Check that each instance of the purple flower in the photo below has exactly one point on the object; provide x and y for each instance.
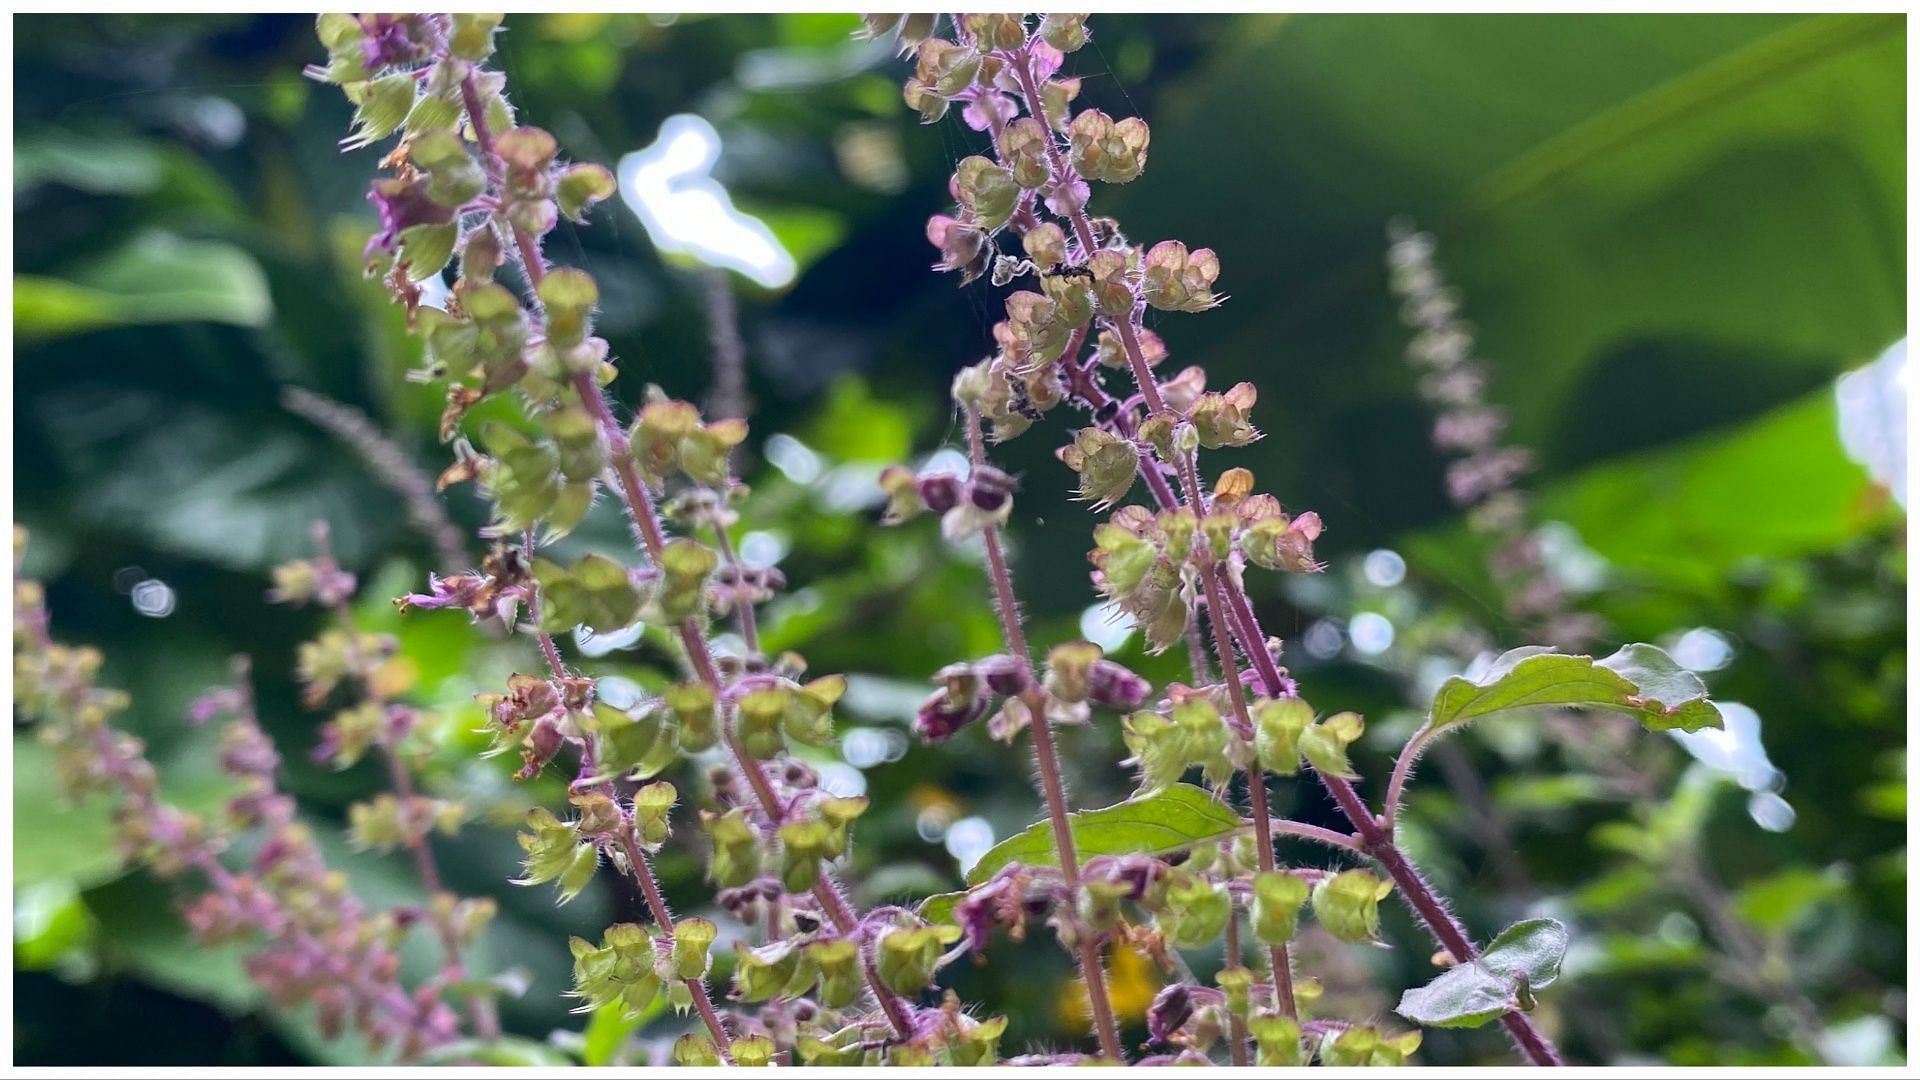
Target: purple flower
(403, 203)
(1115, 686)
(940, 716)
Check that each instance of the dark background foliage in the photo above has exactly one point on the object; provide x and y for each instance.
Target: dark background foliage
(1673, 234)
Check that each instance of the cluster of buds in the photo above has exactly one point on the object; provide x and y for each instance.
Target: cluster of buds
(1166, 568)
(1077, 677)
(982, 499)
(371, 720)
(1483, 471)
(1148, 564)
(473, 189)
(311, 941)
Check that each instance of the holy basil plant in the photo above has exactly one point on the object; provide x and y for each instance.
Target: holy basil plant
(785, 967)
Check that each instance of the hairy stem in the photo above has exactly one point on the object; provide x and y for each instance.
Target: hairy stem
(1256, 781)
(481, 1010)
(638, 503)
(1046, 759)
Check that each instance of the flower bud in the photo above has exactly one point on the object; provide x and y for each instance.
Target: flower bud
(1103, 150)
(1277, 899)
(1348, 904)
(1115, 686)
(1008, 676)
(940, 716)
(940, 492)
(1171, 1009)
(1069, 670)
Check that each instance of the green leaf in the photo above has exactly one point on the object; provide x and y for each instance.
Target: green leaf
(1638, 680)
(610, 1026)
(1774, 904)
(1524, 958)
(1167, 821)
(155, 278)
(507, 1051)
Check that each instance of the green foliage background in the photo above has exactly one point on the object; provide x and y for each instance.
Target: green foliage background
(1673, 233)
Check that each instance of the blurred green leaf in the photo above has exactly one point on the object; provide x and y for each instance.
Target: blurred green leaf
(1161, 823)
(116, 164)
(1775, 903)
(155, 278)
(49, 922)
(610, 1026)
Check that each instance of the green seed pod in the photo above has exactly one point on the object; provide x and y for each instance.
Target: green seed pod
(1175, 279)
(696, 1050)
(1276, 1039)
(987, 191)
(1106, 463)
(692, 705)
(736, 848)
(976, 1043)
(804, 846)
(1325, 743)
(652, 812)
(838, 962)
(1197, 911)
(692, 938)
(908, 956)
(1366, 1047)
(1348, 904)
(759, 714)
(767, 972)
(1277, 725)
(1277, 899)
